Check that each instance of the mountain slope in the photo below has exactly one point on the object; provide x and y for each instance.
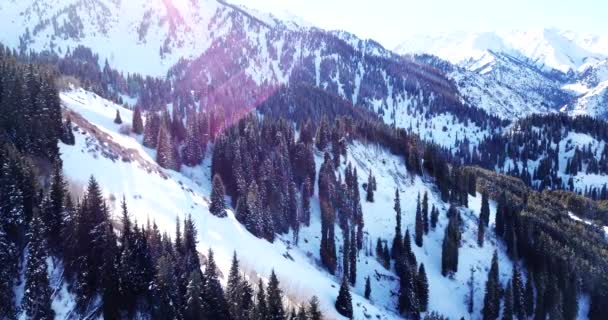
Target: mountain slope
(124, 167)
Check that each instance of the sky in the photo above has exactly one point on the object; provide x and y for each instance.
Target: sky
(391, 21)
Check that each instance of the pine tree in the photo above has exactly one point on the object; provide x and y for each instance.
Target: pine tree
(370, 188)
(37, 296)
(164, 153)
(529, 296)
(214, 303)
(218, 206)
(54, 215)
(353, 258)
(137, 122)
(261, 308)
(368, 288)
(518, 294)
(275, 299)
(419, 224)
(117, 119)
(193, 299)
(451, 242)
(484, 214)
(480, 232)
(314, 313)
(408, 298)
(344, 304)
(434, 217)
(397, 248)
(507, 313)
(234, 289)
(425, 212)
(422, 286)
(501, 211)
(471, 293)
(306, 194)
(491, 301)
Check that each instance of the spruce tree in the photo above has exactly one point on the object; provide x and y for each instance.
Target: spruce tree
(233, 286)
(194, 309)
(480, 232)
(137, 122)
(275, 299)
(214, 303)
(370, 188)
(368, 288)
(344, 304)
(397, 248)
(484, 214)
(353, 258)
(117, 119)
(519, 309)
(218, 206)
(419, 224)
(501, 211)
(408, 296)
(37, 296)
(529, 296)
(507, 312)
(491, 301)
(434, 217)
(261, 308)
(425, 212)
(54, 215)
(422, 286)
(314, 312)
(451, 242)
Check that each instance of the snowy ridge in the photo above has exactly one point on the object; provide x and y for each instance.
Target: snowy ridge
(162, 198)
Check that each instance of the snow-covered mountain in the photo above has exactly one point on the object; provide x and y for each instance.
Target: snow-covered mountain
(513, 74)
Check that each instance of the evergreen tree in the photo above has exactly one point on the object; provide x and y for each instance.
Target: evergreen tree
(314, 313)
(480, 232)
(194, 308)
(344, 304)
(117, 119)
(471, 293)
(491, 301)
(422, 286)
(519, 309)
(451, 242)
(306, 194)
(261, 308)
(37, 294)
(408, 298)
(275, 299)
(425, 212)
(234, 289)
(54, 215)
(218, 206)
(370, 188)
(529, 297)
(368, 288)
(164, 153)
(397, 248)
(214, 303)
(484, 214)
(137, 122)
(434, 217)
(501, 211)
(419, 224)
(353, 258)
(507, 313)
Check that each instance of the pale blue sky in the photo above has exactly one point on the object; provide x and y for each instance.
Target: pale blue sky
(389, 21)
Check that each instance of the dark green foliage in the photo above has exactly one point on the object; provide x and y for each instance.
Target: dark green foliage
(484, 214)
(368, 288)
(422, 287)
(419, 225)
(37, 297)
(218, 206)
(519, 309)
(434, 217)
(397, 247)
(214, 302)
(344, 304)
(409, 304)
(314, 313)
(481, 226)
(425, 212)
(276, 310)
(529, 297)
(451, 243)
(507, 312)
(137, 122)
(491, 301)
(117, 119)
(193, 299)
(370, 188)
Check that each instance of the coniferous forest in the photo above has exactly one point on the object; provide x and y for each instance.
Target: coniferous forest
(377, 186)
